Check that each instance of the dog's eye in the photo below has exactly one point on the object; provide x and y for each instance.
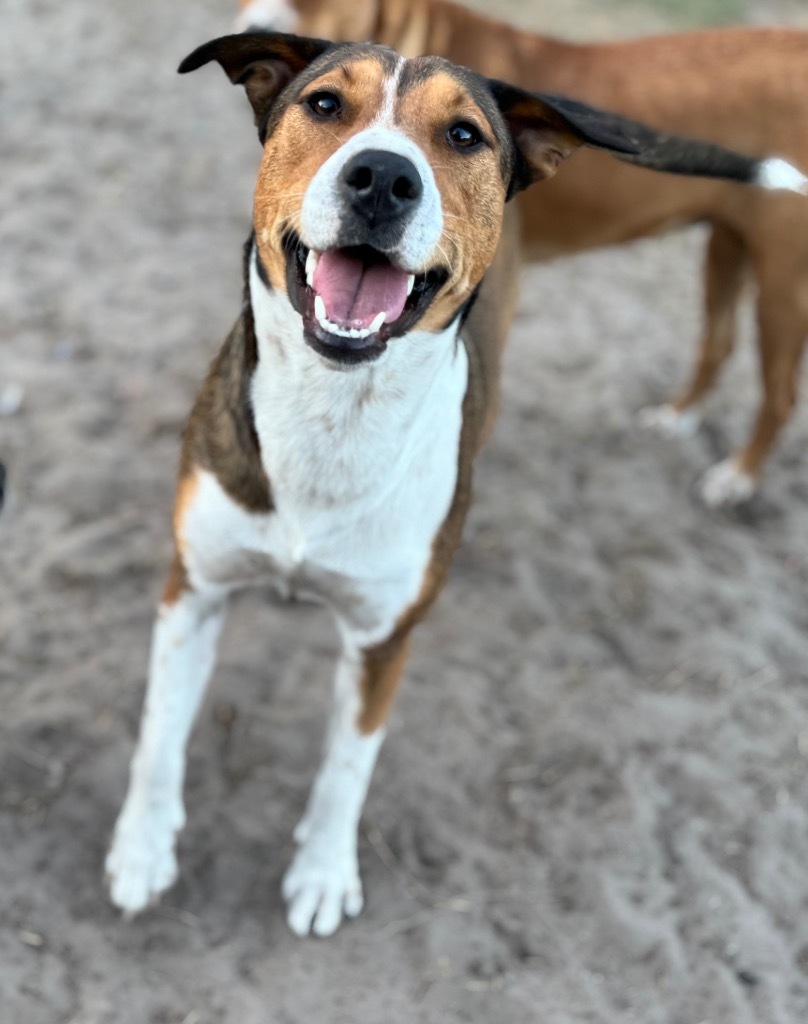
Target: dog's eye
(464, 135)
(325, 104)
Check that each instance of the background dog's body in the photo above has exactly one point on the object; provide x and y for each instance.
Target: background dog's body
(330, 449)
(745, 87)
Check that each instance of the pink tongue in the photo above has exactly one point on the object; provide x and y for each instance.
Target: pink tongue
(355, 293)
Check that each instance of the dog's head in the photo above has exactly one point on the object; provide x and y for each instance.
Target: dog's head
(380, 196)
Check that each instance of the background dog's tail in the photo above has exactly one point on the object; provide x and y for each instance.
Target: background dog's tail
(660, 151)
(683, 156)
(775, 173)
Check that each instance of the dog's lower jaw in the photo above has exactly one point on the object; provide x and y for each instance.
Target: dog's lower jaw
(341, 356)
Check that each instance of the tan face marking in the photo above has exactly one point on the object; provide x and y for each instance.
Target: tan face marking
(300, 145)
(470, 183)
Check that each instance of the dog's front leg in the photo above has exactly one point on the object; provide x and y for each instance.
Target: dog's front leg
(323, 881)
(141, 863)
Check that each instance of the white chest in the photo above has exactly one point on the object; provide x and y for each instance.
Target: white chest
(362, 465)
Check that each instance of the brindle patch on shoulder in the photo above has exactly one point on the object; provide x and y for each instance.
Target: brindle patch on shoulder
(220, 435)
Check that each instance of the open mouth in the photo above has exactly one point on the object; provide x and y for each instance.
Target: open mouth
(354, 300)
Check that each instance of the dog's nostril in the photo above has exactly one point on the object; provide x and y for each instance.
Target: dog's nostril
(360, 178)
(406, 188)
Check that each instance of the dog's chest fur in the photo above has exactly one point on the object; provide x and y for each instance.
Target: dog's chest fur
(362, 465)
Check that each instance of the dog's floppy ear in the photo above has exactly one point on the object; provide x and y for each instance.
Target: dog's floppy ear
(263, 62)
(546, 129)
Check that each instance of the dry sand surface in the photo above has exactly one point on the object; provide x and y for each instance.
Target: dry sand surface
(593, 802)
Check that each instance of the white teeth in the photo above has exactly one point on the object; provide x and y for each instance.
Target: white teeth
(311, 266)
(325, 323)
(377, 322)
(410, 284)
(344, 332)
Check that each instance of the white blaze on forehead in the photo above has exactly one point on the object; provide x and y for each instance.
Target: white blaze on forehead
(387, 111)
(323, 204)
(275, 14)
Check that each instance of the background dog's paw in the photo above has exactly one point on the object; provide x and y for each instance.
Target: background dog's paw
(725, 485)
(274, 15)
(669, 421)
(141, 864)
(319, 890)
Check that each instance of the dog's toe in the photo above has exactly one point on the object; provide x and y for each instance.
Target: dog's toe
(140, 866)
(319, 891)
(725, 485)
(669, 421)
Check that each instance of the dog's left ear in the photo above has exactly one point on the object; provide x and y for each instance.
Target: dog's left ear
(547, 129)
(263, 62)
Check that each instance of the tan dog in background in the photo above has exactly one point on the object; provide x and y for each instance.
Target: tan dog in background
(745, 88)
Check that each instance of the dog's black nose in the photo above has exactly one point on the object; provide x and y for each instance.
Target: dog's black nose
(381, 186)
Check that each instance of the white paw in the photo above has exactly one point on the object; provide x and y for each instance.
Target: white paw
(277, 15)
(141, 863)
(320, 887)
(725, 484)
(669, 421)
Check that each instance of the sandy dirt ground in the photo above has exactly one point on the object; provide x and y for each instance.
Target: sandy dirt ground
(593, 802)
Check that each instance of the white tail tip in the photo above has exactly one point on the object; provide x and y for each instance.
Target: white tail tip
(779, 174)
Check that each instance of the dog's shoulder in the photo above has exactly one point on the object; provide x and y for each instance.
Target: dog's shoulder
(220, 434)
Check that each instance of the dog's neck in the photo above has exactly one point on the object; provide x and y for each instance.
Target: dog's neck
(333, 436)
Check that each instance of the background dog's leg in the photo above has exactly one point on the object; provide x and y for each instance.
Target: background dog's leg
(782, 335)
(141, 862)
(726, 268)
(323, 882)
(781, 340)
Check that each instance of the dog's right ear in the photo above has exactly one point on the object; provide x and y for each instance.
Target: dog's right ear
(263, 62)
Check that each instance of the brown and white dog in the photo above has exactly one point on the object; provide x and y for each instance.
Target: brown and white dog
(330, 449)
(744, 87)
